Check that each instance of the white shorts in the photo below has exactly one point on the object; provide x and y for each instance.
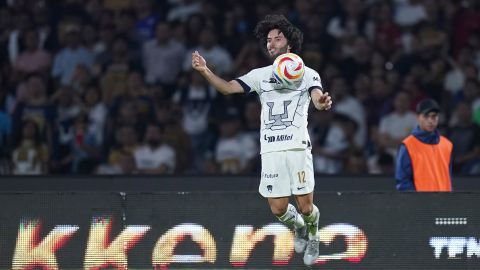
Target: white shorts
(287, 172)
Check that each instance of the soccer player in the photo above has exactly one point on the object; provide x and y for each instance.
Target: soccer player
(287, 166)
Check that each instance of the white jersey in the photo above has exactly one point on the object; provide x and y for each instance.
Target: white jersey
(284, 109)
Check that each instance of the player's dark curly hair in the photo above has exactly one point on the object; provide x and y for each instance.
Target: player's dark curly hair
(292, 33)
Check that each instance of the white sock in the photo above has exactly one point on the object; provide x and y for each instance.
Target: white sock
(312, 222)
(292, 217)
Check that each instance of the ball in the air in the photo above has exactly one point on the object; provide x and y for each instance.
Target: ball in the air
(288, 68)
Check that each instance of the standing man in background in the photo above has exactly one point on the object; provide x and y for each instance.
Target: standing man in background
(287, 166)
(424, 160)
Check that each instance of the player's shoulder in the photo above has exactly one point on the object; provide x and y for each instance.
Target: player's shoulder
(311, 74)
(310, 71)
(258, 73)
(262, 70)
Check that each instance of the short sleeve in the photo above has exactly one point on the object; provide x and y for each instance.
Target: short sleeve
(313, 80)
(250, 81)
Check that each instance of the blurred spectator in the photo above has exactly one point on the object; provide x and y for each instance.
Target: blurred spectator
(33, 59)
(118, 65)
(386, 34)
(96, 112)
(183, 9)
(233, 151)
(251, 129)
(465, 21)
(381, 163)
(195, 101)
(349, 23)
(21, 22)
(465, 136)
(72, 55)
(409, 12)
(34, 105)
(30, 155)
(174, 135)
(433, 81)
(471, 95)
(91, 41)
(348, 105)
(81, 79)
(117, 4)
(317, 41)
(251, 114)
(329, 141)
(236, 26)
(125, 26)
(84, 146)
(125, 166)
(5, 124)
(218, 58)
(193, 27)
(395, 126)
(356, 163)
(67, 103)
(147, 18)
(68, 107)
(379, 102)
(154, 156)
(137, 93)
(126, 143)
(127, 114)
(357, 59)
(249, 57)
(103, 47)
(413, 88)
(163, 57)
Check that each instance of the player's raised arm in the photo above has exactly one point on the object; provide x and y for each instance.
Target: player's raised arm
(321, 100)
(224, 87)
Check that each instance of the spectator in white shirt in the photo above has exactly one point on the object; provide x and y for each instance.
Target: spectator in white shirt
(162, 56)
(154, 156)
(234, 150)
(395, 126)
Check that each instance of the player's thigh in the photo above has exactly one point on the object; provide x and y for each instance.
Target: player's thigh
(275, 178)
(300, 164)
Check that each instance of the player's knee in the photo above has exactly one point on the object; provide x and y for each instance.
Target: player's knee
(278, 210)
(305, 209)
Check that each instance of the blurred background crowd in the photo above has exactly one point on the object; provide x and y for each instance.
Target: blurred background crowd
(106, 87)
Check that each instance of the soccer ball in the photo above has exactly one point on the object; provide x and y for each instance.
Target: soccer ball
(288, 68)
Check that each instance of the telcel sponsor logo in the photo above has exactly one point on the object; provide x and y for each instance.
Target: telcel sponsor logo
(456, 247)
(102, 252)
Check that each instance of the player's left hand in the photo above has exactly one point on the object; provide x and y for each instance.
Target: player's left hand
(323, 101)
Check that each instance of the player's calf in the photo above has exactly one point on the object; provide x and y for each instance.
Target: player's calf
(293, 218)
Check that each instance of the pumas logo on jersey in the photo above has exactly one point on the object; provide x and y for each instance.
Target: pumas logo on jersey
(272, 80)
(278, 138)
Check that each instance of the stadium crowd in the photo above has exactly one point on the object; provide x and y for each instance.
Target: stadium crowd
(106, 86)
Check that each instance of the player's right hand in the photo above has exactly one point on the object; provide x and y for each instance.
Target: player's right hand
(198, 62)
